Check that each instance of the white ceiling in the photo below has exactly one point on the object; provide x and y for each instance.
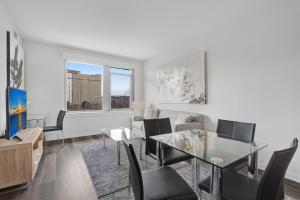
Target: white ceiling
(137, 29)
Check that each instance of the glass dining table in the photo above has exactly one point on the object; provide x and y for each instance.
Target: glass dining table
(208, 147)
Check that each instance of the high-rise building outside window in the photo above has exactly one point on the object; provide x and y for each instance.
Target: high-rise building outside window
(83, 86)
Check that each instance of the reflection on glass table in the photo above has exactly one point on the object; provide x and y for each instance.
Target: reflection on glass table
(116, 135)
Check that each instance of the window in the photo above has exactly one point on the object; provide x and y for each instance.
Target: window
(121, 85)
(97, 87)
(83, 86)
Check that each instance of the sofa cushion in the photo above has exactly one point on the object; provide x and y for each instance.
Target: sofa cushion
(138, 126)
(151, 112)
(190, 119)
(138, 118)
(188, 126)
(176, 117)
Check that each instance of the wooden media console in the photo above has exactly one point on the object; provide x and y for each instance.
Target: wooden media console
(19, 160)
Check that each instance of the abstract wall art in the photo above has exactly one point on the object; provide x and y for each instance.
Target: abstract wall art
(183, 80)
(15, 61)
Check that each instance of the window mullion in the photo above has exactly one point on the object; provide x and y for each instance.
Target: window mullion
(106, 88)
(132, 88)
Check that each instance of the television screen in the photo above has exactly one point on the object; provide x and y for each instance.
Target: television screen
(17, 111)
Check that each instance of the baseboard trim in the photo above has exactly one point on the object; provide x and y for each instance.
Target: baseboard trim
(293, 177)
(50, 136)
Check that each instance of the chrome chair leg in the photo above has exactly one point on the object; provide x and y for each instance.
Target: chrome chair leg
(57, 137)
(157, 154)
(63, 138)
(141, 148)
(129, 183)
(162, 154)
(200, 194)
(119, 152)
(250, 175)
(145, 161)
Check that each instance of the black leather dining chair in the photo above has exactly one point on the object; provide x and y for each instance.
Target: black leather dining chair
(236, 186)
(59, 125)
(240, 131)
(161, 183)
(158, 127)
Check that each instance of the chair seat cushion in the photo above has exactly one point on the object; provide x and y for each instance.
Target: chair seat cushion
(235, 186)
(165, 183)
(172, 156)
(205, 184)
(50, 128)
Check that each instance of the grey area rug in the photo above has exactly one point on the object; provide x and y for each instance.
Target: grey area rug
(110, 180)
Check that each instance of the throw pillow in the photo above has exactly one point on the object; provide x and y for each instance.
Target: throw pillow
(190, 119)
(151, 112)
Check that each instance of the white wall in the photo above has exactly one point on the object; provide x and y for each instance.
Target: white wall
(44, 74)
(6, 24)
(253, 75)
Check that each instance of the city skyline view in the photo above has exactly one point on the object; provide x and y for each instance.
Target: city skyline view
(84, 86)
(120, 85)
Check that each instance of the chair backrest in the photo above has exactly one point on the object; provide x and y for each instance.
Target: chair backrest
(151, 129)
(243, 131)
(294, 143)
(274, 174)
(60, 119)
(164, 125)
(155, 127)
(135, 174)
(240, 131)
(225, 128)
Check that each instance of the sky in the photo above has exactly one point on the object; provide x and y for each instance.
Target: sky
(120, 85)
(85, 68)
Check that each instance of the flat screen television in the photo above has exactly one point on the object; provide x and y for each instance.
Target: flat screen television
(17, 111)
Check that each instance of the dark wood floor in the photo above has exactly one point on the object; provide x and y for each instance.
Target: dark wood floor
(62, 175)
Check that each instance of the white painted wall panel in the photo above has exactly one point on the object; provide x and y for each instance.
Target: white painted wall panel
(44, 75)
(253, 70)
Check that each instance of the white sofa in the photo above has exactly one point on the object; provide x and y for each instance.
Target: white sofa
(179, 120)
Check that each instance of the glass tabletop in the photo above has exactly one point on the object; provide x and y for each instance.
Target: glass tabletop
(36, 117)
(208, 147)
(116, 133)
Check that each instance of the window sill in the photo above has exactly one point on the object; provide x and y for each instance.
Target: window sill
(71, 114)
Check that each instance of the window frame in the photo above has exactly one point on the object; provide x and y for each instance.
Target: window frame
(105, 95)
